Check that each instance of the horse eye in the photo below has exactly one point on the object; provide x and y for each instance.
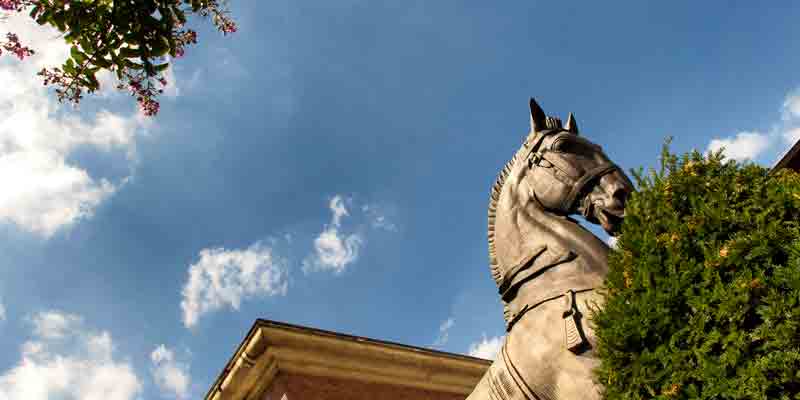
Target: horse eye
(563, 146)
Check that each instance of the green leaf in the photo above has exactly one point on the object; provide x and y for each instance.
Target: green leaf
(102, 62)
(44, 17)
(132, 38)
(59, 21)
(133, 65)
(180, 15)
(69, 67)
(127, 52)
(160, 49)
(86, 45)
(92, 80)
(35, 11)
(161, 67)
(77, 55)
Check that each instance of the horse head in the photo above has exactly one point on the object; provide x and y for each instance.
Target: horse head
(567, 174)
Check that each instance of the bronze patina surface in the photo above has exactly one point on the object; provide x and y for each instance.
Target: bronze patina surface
(547, 267)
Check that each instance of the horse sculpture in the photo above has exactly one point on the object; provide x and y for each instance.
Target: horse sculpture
(546, 265)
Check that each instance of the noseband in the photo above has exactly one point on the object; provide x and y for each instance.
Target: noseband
(536, 156)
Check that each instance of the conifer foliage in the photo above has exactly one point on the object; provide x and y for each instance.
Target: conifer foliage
(702, 299)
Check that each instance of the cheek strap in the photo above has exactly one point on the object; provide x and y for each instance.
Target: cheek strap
(591, 174)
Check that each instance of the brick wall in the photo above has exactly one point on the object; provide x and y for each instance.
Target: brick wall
(304, 387)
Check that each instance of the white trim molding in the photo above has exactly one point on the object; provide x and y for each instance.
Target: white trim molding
(271, 347)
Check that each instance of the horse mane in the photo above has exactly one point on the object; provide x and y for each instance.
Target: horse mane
(494, 198)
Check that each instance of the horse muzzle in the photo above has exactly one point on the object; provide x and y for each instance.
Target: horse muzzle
(610, 218)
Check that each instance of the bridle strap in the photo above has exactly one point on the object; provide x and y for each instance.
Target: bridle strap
(578, 185)
(537, 141)
(587, 177)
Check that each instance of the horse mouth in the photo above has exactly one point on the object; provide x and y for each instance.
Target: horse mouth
(609, 220)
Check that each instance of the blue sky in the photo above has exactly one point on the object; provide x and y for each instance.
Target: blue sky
(329, 165)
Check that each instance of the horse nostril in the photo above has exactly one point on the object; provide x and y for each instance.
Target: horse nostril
(619, 195)
(619, 191)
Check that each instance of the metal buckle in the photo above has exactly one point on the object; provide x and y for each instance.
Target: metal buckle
(535, 158)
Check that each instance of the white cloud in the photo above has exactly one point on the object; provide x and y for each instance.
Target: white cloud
(338, 209)
(791, 118)
(77, 364)
(792, 135)
(225, 277)
(54, 324)
(777, 139)
(743, 146)
(791, 106)
(172, 89)
(171, 376)
(444, 332)
(377, 217)
(487, 348)
(2, 312)
(790, 125)
(333, 250)
(42, 190)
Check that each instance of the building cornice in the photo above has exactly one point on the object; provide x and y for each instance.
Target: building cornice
(271, 347)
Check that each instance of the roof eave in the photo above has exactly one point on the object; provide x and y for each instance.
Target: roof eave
(273, 346)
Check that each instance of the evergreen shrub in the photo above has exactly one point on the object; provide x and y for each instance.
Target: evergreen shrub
(702, 299)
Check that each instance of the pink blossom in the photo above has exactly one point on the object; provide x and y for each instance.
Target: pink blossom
(12, 45)
(11, 5)
(149, 106)
(228, 27)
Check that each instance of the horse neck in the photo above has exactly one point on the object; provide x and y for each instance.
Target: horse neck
(519, 227)
(525, 227)
(570, 235)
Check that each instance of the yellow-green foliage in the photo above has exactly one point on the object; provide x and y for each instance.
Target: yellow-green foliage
(703, 294)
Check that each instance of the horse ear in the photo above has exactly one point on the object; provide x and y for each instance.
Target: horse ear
(538, 119)
(572, 125)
